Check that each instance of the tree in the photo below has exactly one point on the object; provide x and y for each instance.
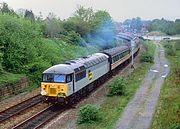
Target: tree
(53, 28)
(52, 16)
(135, 24)
(165, 26)
(102, 30)
(20, 12)
(84, 14)
(73, 38)
(5, 9)
(82, 20)
(29, 15)
(1, 55)
(39, 17)
(177, 26)
(19, 39)
(80, 26)
(101, 18)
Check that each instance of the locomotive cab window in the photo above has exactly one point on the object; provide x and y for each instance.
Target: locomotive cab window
(69, 78)
(48, 78)
(53, 78)
(59, 78)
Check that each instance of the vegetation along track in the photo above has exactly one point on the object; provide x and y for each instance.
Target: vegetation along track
(16, 109)
(41, 118)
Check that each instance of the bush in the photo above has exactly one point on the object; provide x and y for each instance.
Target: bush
(168, 46)
(147, 57)
(89, 114)
(117, 86)
(170, 52)
(169, 49)
(1, 62)
(177, 45)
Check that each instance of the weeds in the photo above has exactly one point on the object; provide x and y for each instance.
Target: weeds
(117, 86)
(148, 55)
(167, 111)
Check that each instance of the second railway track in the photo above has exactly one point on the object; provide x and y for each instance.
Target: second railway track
(41, 118)
(16, 109)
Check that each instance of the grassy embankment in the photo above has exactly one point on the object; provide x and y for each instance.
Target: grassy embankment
(6, 77)
(167, 114)
(113, 107)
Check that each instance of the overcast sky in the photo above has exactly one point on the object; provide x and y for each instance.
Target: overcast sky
(118, 9)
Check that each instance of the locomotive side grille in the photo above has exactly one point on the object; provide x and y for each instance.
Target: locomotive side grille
(52, 91)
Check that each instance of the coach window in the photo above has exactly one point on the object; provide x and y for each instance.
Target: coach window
(113, 59)
(69, 78)
(116, 58)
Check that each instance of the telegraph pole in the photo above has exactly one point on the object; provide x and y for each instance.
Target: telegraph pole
(132, 48)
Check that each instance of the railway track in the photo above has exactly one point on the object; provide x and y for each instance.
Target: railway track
(16, 109)
(41, 118)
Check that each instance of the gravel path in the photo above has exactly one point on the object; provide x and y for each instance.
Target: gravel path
(139, 111)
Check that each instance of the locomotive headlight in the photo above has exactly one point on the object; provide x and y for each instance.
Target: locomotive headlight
(43, 93)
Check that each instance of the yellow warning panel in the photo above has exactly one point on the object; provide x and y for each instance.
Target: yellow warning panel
(89, 75)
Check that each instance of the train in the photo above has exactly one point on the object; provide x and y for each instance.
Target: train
(69, 81)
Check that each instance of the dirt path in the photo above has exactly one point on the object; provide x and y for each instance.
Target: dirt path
(139, 111)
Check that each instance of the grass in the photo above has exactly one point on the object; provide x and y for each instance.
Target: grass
(150, 47)
(148, 55)
(113, 107)
(177, 35)
(6, 77)
(167, 114)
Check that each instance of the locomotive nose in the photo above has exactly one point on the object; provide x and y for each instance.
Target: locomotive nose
(54, 89)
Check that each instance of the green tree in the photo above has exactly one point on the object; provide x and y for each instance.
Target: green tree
(100, 18)
(177, 26)
(82, 20)
(1, 55)
(103, 30)
(19, 38)
(84, 14)
(73, 38)
(134, 23)
(168, 27)
(53, 28)
(80, 26)
(29, 15)
(5, 9)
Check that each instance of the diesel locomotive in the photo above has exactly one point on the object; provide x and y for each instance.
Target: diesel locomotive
(76, 78)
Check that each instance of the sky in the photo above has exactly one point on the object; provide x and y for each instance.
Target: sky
(118, 9)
